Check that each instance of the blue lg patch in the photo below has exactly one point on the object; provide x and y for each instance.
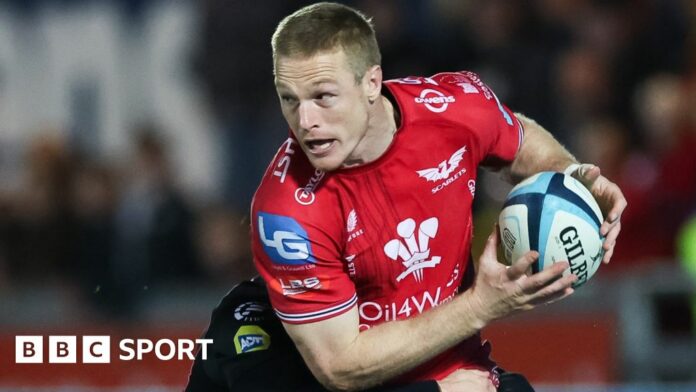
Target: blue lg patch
(284, 240)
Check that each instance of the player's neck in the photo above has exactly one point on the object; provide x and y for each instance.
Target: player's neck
(381, 128)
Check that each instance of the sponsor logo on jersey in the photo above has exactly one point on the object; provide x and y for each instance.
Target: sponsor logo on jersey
(468, 88)
(475, 80)
(251, 338)
(454, 78)
(488, 93)
(472, 187)
(454, 277)
(352, 221)
(415, 80)
(351, 265)
(250, 311)
(445, 170)
(299, 286)
(305, 195)
(284, 240)
(412, 248)
(351, 225)
(434, 100)
(281, 168)
(373, 313)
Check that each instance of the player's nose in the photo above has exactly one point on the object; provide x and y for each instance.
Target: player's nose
(309, 115)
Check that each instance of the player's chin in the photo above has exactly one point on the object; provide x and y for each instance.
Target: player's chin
(326, 163)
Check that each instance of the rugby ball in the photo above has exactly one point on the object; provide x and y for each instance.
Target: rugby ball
(557, 216)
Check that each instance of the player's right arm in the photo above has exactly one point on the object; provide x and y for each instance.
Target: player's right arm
(342, 358)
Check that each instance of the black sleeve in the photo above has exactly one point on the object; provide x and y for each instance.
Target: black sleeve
(514, 382)
(252, 352)
(200, 381)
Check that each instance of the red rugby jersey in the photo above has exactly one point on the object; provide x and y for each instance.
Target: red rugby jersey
(393, 236)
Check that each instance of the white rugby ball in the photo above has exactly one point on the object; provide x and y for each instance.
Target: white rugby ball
(557, 216)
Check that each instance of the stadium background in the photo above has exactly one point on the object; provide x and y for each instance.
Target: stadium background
(133, 134)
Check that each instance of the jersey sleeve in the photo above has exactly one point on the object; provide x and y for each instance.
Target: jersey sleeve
(478, 109)
(296, 237)
(501, 133)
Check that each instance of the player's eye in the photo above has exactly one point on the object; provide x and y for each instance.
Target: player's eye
(325, 98)
(287, 99)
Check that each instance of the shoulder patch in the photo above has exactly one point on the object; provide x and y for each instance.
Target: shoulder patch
(284, 240)
(251, 338)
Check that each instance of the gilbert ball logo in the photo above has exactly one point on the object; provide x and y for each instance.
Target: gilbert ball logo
(97, 349)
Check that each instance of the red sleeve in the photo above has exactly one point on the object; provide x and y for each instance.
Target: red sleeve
(296, 243)
(497, 129)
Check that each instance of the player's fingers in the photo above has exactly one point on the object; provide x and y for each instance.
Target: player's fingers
(587, 174)
(619, 204)
(490, 251)
(607, 255)
(557, 286)
(547, 278)
(522, 265)
(610, 239)
(610, 242)
(551, 298)
(489, 385)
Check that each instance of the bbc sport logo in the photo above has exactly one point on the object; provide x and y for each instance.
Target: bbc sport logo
(97, 349)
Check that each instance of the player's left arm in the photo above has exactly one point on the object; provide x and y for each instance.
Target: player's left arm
(540, 151)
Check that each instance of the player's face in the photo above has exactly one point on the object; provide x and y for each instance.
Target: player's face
(324, 106)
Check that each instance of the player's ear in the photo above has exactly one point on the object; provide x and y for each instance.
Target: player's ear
(372, 83)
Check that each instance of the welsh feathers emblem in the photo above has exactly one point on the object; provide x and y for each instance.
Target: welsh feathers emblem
(412, 247)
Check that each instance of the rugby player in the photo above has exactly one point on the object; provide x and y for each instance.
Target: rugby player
(362, 223)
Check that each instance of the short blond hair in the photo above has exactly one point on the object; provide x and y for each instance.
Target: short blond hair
(324, 27)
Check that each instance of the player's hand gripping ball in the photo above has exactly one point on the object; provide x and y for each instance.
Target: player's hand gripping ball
(555, 215)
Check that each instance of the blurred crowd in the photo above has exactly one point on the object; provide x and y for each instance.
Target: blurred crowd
(614, 80)
(115, 232)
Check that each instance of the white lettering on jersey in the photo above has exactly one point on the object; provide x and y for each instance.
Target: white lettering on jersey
(299, 286)
(375, 313)
(443, 170)
(283, 165)
(416, 80)
(414, 252)
(472, 186)
(434, 100)
(477, 82)
(289, 245)
(468, 88)
(351, 265)
(305, 196)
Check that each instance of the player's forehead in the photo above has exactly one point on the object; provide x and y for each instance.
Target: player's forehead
(306, 71)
